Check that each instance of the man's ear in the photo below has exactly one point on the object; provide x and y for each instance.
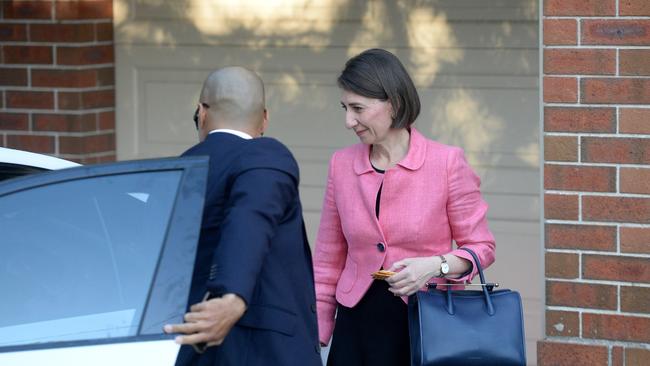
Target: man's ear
(203, 115)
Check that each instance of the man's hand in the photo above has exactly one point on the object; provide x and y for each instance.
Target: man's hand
(208, 322)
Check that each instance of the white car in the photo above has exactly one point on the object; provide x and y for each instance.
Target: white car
(95, 259)
(15, 163)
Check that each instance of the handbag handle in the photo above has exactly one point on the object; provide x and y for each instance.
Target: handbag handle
(486, 293)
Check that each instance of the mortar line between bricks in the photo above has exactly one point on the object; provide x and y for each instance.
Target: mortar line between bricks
(59, 67)
(60, 111)
(562, 193)
(579, 223)
(618, 58)
(618, 239)
(618, 180)
(601, 76)
(579, 28)
(30, 21)
(597, 342)
(596, 47)
(58, 88)
(65, 44)
(609, 194)
(60, 133)
(86, 21)
(609, 352)
(603, 135)
(85, 89)
(597, 282)
(591, 164)
(597, 223)
(609, 349)
(618, 14)
(58, 21)
(579, 320)
(610, 105)
(579, 207)
(579, 136)
(597, 311)
(614, 20)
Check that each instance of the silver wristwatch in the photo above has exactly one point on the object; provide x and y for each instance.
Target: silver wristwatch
(444, 266)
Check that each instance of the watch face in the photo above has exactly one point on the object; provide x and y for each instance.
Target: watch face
(444, 268)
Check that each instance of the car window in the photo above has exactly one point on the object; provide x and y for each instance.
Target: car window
(79, 257)
(8, 170)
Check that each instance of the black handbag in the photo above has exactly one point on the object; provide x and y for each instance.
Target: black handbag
(467, 327)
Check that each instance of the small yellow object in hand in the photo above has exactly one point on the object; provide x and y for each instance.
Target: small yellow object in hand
(382, 275)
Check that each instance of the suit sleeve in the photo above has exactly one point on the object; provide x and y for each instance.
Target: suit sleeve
(329, 259)
(467, 212)
(260, 198)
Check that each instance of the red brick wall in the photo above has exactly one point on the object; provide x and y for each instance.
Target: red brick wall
(57, 78)
(596, 66)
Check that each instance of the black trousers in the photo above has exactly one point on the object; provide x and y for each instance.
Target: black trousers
(374, 332)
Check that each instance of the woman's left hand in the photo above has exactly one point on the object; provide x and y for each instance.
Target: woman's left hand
(414, 274)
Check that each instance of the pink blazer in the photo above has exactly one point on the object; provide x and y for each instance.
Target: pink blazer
(428, 199)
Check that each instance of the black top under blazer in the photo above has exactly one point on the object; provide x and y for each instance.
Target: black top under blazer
(253, 244)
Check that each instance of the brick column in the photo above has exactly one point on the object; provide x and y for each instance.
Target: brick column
(57, 80)
(596, 67)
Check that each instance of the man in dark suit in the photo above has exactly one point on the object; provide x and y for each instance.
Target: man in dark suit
(252, 289)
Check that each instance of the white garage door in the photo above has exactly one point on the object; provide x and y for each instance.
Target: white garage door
(475, 63)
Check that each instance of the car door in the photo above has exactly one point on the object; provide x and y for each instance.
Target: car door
(95, 260)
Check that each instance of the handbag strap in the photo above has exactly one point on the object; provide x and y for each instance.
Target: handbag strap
(486, 293)
(478, 264)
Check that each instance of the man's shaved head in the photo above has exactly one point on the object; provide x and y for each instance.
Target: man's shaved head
(236, 99)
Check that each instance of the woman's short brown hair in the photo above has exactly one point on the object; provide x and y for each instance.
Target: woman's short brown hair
(378, 74)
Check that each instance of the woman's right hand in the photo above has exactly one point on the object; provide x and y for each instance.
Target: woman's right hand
(413, 275)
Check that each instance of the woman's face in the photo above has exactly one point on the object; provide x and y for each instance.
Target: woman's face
(369, 118)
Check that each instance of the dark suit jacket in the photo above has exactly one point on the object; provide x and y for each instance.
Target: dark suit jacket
(253, 244)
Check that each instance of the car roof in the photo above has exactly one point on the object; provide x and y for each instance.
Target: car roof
(27, 158)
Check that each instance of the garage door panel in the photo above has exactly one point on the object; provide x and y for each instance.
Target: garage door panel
(513, 68)
(520, 208)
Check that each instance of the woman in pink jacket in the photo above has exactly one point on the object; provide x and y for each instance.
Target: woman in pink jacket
(396, 201)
